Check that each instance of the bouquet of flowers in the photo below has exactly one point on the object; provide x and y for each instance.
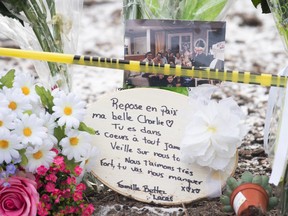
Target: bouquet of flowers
(50, 26)
(45, 149)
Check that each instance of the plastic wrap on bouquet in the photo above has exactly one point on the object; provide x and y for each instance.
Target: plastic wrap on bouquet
(276, 102)
(275, 140)
(279, 9)
(276, 122)
(50, 26)
(273, 116)
(204, 10)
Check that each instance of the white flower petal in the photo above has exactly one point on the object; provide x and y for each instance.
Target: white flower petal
(214, 132)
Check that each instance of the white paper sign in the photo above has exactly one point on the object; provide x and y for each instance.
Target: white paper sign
(138, 134)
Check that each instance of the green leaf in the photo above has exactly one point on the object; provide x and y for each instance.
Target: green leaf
(15, 6)
(59, 133)
(28, 112)
(264, 5)
(46, 98)
(24, 159)
(180, 90)
(5, 12)
(84, 127)
(71, 164)
(225, 200)
(257, 179)
(228, 191)
(207, 10)
(153, 5)
(273, 202)
(268, 189)
(228, 208)
(265, 181)
(247, 177)
(8, 79)
(188, 9)
(256, 2)
(232, 183)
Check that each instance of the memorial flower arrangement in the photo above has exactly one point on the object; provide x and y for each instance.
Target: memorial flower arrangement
(50, 26)
(214, 131)
(45, 149)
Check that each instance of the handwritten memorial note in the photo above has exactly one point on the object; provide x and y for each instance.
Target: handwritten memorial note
(138, 135)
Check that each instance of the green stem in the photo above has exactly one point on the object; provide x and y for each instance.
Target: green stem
(39, 32)
(56, 23)
(41, 17)
(48, 43)
(132, 9)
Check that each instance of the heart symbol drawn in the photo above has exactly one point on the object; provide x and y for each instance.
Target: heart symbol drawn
(169, 123)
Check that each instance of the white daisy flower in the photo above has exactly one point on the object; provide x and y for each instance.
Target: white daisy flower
(4, 103)
(9, 146)
(14, 101)
(31, 130)
(69, 109)
(89, 161)
(6, 120)
(50, 124)
(40, 155)
(26, 83)
(76, 144)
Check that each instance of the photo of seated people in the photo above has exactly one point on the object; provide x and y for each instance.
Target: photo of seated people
(171, 42)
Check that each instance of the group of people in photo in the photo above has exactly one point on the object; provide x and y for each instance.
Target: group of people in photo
(185, 58)
(198, 58)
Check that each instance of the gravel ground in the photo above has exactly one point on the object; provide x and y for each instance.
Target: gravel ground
(252, 44)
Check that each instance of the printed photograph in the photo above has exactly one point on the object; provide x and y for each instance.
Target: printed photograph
(175, 42)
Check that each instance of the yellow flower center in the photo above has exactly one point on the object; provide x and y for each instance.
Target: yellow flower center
(27, 132)
(25, 90)
(12, 105)
(74, 141)
(86, 161)
(38, 155)
(68, 110)
(4, 144)
(212, 129)
(1, 123)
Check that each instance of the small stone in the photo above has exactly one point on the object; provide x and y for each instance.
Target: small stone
(258, 152)
(125, 207)
(118, 207)
(258, 135)
(245, 153)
